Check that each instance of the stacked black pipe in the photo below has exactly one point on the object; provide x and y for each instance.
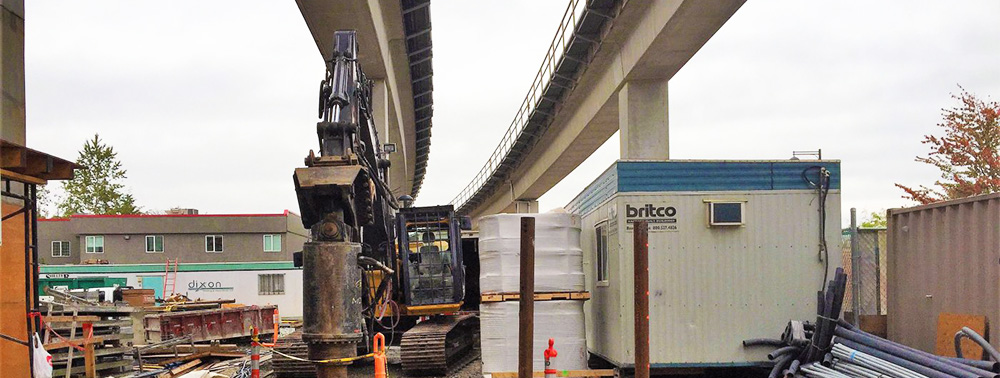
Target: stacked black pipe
(806, 349)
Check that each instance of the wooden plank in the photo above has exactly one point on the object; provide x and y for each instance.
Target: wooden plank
(99, 352)
(561, 373)
(89, 361)
(98, 325)
(185, 358)
(90, 309)
(22, 178)
(501, 297)
(100, 367)
(874, 324)
(180, 369)
(70, 319)
(948, 324)
(187, 348)
(64, 344)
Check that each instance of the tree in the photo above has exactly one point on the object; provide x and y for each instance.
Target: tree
(98, 189)
(968, 155)
(876, 219)
(46, 201)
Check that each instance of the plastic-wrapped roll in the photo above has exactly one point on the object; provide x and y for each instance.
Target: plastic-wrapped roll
(558, 256)
(559, 320)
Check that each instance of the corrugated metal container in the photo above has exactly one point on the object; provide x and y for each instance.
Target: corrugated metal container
(710, 287)
(943, 257)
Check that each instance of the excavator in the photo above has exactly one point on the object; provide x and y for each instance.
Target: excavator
(374, 264)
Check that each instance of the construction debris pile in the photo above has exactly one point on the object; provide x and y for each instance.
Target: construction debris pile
(180, 357)
(833, 348)
(128, 335)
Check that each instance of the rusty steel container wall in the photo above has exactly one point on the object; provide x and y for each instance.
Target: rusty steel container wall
(943, 257)
(207, 325)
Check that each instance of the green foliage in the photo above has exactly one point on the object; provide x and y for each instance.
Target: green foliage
(46, 201)
(876, 219)
(98, 189)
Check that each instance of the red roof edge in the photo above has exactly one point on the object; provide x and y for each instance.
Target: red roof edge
(170, 216)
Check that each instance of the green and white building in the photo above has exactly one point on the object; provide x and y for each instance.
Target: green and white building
(246, 257)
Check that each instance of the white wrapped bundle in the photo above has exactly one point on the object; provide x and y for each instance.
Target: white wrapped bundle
(561, 321)
(558, 256)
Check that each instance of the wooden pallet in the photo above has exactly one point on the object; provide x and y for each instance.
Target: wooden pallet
(503, 297)
(107, 351)
(560, 373)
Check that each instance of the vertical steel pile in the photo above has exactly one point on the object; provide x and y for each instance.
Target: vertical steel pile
(833, 348)
(526, 309)
(331, 306)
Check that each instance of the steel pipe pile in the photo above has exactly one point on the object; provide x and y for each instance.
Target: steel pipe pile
(833, 348)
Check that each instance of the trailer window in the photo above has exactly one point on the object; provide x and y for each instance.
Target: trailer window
(271, 284)
(602, 253)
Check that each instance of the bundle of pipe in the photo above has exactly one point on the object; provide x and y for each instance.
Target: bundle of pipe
(803, 342)
(908, 362)
(860, 360)
(833, 348)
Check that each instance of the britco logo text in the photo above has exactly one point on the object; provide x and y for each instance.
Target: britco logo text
(660, 218)
(649, 211)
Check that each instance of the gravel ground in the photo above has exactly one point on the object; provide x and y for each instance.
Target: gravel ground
(471, 370)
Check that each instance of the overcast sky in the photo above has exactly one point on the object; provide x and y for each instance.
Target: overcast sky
(211, 104)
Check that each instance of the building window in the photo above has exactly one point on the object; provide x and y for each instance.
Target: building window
(60, 249)
(154, 243)
(272, 243)
(213, 243)
(602, 253)
(271, 284)
(95, 244)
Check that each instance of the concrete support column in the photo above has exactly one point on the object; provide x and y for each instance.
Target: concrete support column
(12, 115)
(526, 207)
(643, 121)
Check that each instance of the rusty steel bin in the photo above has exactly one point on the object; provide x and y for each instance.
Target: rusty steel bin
(207, 325)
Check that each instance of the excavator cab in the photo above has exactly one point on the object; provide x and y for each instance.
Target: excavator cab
(430, 250)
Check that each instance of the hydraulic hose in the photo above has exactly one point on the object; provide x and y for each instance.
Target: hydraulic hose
(763, 342)
(972, 335)
(783, 351)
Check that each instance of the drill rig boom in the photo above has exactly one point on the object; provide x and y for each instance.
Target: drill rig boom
(345, 202)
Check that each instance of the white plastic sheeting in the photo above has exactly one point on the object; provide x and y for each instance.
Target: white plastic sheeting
(561, 321)
(558, 257)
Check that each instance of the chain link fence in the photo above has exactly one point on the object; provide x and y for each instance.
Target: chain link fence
(869, 259)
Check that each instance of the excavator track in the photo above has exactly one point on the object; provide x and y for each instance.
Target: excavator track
(439, 344)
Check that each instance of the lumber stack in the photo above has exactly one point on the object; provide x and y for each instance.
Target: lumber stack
(104, 332)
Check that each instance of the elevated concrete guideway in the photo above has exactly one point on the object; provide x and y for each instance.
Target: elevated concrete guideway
(621, 84)
(394, 43)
